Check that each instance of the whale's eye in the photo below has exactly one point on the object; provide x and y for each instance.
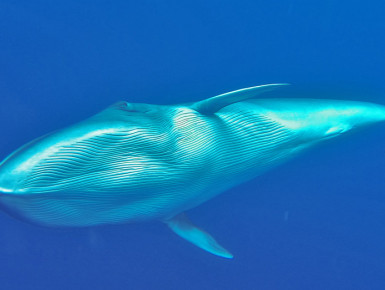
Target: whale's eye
(125, 106)
(121, 105)
(132, 107)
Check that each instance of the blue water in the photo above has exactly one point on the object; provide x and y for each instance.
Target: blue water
(317, 222)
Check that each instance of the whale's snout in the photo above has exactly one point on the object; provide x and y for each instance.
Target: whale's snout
(7, 184)
(9, 176)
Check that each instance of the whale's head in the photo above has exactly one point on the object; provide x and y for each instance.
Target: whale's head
(103, 153)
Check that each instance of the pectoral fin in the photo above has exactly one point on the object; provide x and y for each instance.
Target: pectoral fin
(183, 227)
(214, 104)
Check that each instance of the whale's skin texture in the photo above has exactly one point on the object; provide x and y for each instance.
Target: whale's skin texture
(138, 162)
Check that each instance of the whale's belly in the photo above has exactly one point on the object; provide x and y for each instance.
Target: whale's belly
(133, 175)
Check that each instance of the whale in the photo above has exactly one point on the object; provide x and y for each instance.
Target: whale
(136, 162)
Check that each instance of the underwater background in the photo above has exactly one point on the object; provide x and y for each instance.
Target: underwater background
(317, 222)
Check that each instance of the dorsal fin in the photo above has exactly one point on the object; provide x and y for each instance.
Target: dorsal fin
(214, 104)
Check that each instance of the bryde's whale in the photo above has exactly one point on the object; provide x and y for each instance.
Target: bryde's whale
(137, 162)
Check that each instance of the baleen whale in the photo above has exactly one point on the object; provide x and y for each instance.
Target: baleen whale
(140, 162)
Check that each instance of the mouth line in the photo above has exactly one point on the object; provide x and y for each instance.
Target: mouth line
(5, 190)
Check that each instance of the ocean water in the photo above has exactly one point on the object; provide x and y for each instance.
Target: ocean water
(317, 222)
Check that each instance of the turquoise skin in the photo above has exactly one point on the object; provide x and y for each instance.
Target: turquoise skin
(138, 162)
